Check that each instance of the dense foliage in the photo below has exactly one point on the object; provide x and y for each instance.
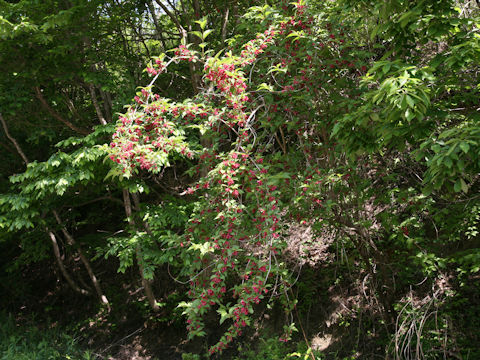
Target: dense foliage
(250, 156)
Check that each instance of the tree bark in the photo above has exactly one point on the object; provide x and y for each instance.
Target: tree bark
(151, 9)
(159, 34)
(71, 241)
(147, 284)
(195, 80)
(136, 202)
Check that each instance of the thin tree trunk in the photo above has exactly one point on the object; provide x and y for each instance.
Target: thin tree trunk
(58, 257)
(93, 95)
(181, 30)
(196, 9)
(224, 26)
(194, 79)
(147, 284)
(135, 30)
(12, 139)
(136, 202)
(235, 13)
(107, 104)
(71, 241)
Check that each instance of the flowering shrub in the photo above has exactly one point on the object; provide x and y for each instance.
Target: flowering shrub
(253, 107)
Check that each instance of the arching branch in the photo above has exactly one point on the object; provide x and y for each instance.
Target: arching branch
(56, 115)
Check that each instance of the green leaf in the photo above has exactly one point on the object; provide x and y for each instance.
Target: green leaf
(375, 31)
(386, 67)
(264, 86)
(464, 185)
(464, 146)
(206, 33)
(409, 115)
(202, 22)
(451, 150)
(410, 102)
(197, 34)
(224, 315)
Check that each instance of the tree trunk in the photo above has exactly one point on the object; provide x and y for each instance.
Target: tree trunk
(71, 241)
(56, 249)
(107, 104)
(93, 95)
(58, 257)
(224, 26)
(158, 28)
(12, 139)
(194, 79)
(147, 284)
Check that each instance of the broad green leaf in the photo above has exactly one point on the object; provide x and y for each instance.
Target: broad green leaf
(464, 146)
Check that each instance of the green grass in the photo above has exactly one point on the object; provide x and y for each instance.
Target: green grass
(28, 342)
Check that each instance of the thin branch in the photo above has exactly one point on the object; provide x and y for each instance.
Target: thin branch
(71, 106)
(12, 139)
(110, 198)
(181, 30)
(56, 115)
(71, 241)
(122, 339)
(158, 28)
(56, 251)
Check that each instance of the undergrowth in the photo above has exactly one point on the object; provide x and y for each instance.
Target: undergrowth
(29, 342)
